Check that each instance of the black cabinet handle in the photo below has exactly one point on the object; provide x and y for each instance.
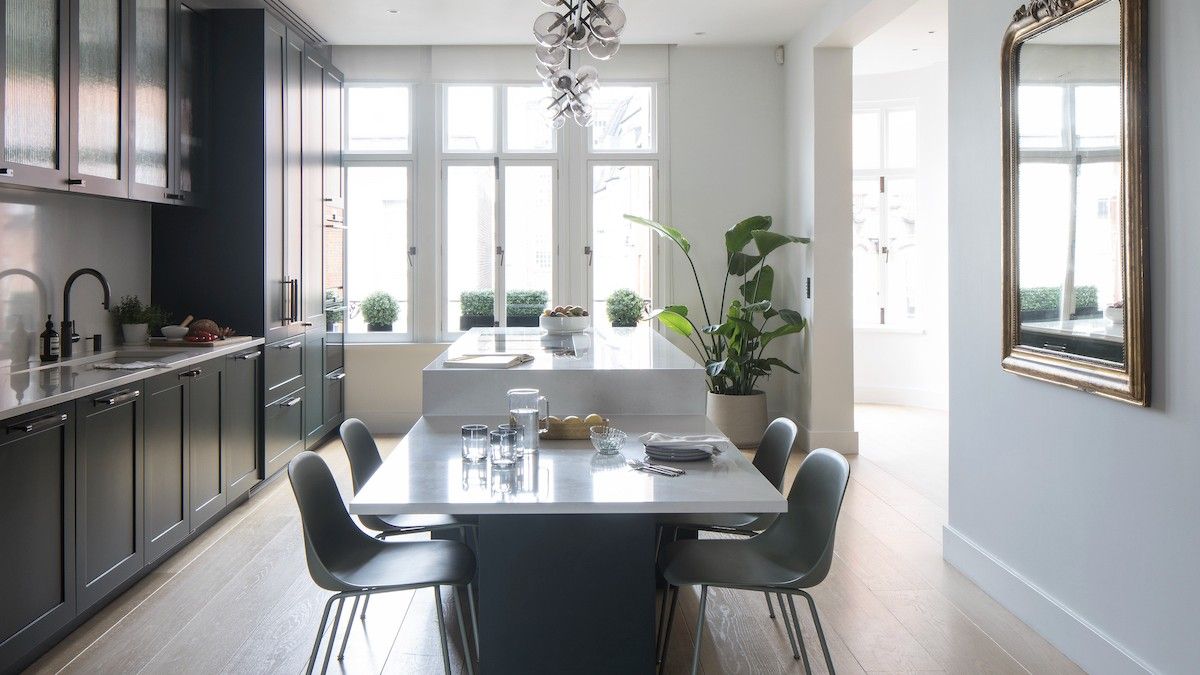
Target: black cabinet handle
(306, 324)
(77, 181)
(7, 172)
(292, 403)
(288, 345)
(192, 373)
(118, 397)
(336, 376)
(39, 424)
(173, 195)
(247, 356)
(327, 199)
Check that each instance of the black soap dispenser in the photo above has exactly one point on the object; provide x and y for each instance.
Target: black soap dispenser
(50, 344)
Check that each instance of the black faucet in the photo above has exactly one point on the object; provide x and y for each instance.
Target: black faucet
(68, 327)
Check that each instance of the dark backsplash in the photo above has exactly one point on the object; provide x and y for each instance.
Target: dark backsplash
(43, 238)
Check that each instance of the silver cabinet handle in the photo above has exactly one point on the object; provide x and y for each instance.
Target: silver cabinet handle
(292, 403)
(192, 373)
(30, 426)
(248, 356)
(7, 173)
(118, 397)
(289, 345)
(336, 376)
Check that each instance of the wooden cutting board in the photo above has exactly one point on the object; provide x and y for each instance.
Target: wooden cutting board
(164, 342)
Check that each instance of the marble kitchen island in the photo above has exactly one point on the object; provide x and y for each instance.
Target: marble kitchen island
(604, 370)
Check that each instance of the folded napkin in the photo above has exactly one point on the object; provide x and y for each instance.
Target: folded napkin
(658, 439)
(131, 365)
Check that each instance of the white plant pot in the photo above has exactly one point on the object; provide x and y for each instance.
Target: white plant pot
(742, 418)
(135, 333)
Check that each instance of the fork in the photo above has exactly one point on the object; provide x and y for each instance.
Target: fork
(667, 471)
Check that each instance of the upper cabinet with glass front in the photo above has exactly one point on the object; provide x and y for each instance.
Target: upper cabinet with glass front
(33, 139)
(1074, 188)
(99, 99)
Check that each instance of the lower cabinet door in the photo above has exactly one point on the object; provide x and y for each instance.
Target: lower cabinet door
(37, 524)
(108, 492)
(240, 408)
(205, 449)
(283, 423)
(335, 392)
(314, 387)
(167, 479)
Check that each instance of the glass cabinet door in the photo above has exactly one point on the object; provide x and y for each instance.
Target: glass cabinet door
(34, 98)
(97, 110)
(192, 79)
(151, 112)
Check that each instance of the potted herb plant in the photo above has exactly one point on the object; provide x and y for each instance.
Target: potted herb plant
(732, 342)
(380, 310)
(624, 308)
(137, 319)
(523, 307)
(477, 309)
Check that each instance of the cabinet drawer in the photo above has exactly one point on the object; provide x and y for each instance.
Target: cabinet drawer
(335, 387)
(283, 423)
(284, 366)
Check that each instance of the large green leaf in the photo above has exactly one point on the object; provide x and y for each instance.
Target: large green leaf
(779, 363)
(755, 307)
(681, 310)
(747, 329)
(785, 329)
(769, 241)
(739, 235)
(672, 320)
(741, 263)
(760, 286)
(791, 316)
(714, 368)
(664, 230)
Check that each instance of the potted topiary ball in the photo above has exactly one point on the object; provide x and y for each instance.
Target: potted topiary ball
(624, 308)
(380, 310)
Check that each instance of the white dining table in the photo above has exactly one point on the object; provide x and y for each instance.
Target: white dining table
(566, 539)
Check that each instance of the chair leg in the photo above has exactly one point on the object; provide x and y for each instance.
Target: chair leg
(437, 602)
(788, 626)
(699, 630)
(812, 606)
(363, 617)
(474, 617)
(770, 607)
(799, 635)
(349, 625)
(337, 617)
(312, 657)
(462, 631)
(666, 640)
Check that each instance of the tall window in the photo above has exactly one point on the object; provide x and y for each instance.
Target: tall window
(379, 209)
(885, 224)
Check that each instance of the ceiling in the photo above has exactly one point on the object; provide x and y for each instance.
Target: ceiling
(497, 22)
(917, 38)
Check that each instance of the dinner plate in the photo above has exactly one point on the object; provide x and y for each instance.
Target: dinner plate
(680, 454)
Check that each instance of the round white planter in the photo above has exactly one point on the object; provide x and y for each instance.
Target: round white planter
(135, 333)
(742, 418)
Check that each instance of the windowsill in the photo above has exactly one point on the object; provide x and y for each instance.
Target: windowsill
(903, 329)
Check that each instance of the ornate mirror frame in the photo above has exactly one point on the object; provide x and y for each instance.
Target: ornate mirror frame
(1130, 382)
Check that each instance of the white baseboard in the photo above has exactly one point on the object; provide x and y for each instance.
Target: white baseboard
(1073, 635)
(920, 398)
(845, 442)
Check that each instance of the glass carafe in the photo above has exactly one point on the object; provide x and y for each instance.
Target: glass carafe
(527, 408)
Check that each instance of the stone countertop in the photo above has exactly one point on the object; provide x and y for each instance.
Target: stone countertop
(28, 387)
(426, 474)
(599, 348)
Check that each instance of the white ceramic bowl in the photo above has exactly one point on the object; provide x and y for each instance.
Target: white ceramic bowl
(564, 324)
(174, 332)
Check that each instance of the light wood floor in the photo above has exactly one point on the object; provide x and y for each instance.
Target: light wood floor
(239, 600)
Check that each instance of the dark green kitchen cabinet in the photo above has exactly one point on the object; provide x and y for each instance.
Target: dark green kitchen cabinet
(167, 479)
(239, 421)
(314, 387)
(205, 443)
(335, 397)
(37, 524)
(192, 102)
(108, 492)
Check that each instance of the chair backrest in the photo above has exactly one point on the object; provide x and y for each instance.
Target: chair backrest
(329, 533)
(802, 538)
(360, 446)
(774, 449)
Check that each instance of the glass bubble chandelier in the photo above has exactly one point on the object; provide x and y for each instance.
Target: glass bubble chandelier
(594, 25)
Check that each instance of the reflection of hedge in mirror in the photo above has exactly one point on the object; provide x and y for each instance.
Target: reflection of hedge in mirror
(519, 302)
(1045, 299)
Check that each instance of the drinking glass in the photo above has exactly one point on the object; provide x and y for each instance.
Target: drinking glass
(504, 447)
(520, 439)
(474, 442)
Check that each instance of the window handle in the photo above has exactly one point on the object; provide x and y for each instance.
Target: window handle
(587, 250)
(500, 252)
(412, 253)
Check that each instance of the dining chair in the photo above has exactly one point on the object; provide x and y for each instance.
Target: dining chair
(365, 460)
(793, 554)
(771, 458)
(344, 559)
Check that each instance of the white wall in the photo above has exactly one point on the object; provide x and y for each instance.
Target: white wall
(907, 367)
(1080, 514)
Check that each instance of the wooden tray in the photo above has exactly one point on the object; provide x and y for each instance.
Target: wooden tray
(576, 430)
(164, 342)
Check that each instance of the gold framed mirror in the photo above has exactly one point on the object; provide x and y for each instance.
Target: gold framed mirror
(1074, 111)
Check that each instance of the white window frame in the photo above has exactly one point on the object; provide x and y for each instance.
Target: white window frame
(608, 159)
(656, 119)
(363, 154)
(885, 175)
